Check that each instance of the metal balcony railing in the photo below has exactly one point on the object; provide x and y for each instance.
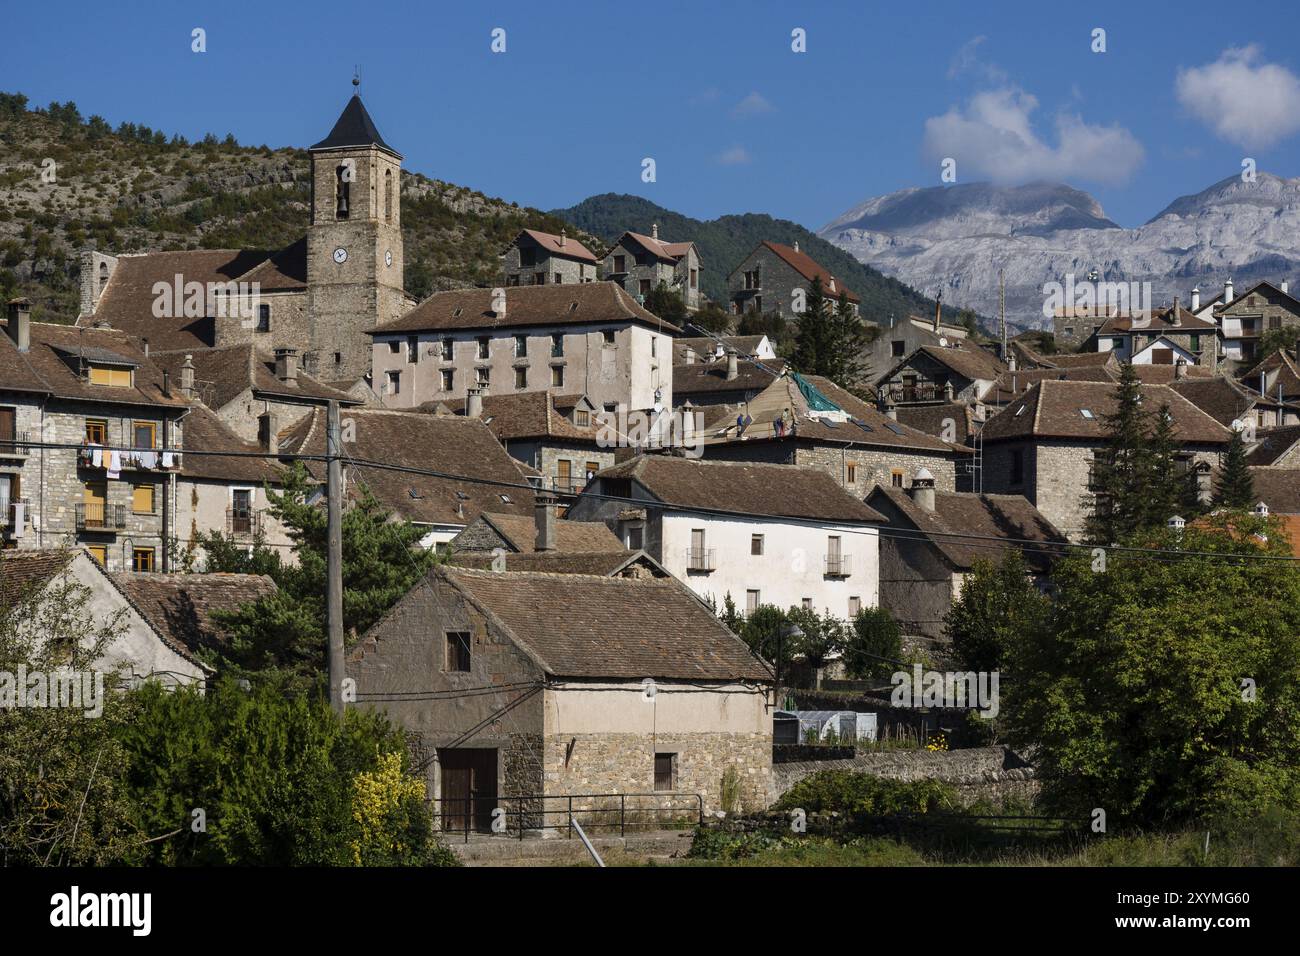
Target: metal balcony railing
(92, 516)
(9, 513)
(838, 565)
(14, 445)
(699, 559)
(242, 522)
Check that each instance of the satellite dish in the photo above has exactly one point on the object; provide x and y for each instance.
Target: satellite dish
(943, 342)
(1238, 425)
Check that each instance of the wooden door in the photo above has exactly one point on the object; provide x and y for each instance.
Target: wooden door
(564, 475)
(469, 787)
(8, 419)
(95, 499)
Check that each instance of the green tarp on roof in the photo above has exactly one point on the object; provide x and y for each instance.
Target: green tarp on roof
(817, 402)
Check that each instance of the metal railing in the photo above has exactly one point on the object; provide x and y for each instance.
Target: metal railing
(538, 813)
(699, 559)
(243, 521)
(92, 516)
(14, 444)
(838, 565)
(8, 508)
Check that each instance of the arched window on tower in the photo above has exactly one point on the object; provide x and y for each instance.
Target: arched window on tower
(103, 276)
(342, 192)
(388, 195)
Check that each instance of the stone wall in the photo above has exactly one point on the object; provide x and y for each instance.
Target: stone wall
(875, 466)
(569, 270)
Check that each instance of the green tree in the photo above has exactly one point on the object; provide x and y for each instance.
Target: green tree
(667, 304)
(1234, 487)
(1173, 483)
(998, 604)
(823, 637)
(873, 645)
(1166, 691)
(1123, 469)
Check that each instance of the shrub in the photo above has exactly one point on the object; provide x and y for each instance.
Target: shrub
(845, 791)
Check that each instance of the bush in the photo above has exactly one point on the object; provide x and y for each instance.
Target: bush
(844, 791)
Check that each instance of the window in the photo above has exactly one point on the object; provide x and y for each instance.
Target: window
(557, 345)
(608, 336)
(665, 765)
(855, 606)
(620, 264)
(483, 346)
(611, 408)
(142, 559)
(458, 651)
(448, 379)
(263, 317)
(1017, 466)
(394, 383)
(1275, 321)
(559, 279)
(483, 375)
(751, 601)
(654, 347)
(388, 195)
(695, 278)
(100, 553)
(114, 377)
(636, 537)
(142, 499)
(394, 347)
(896, 478)
(144, 434)
(557, 376)
(521, 378)
(756, 544)
(644, 286)
(896, 347)
(342, 190)
(338, 358)
(758, 303)
(96, 431)
(851, 473)
(447, 350)
(527, 257)
(582, 418)
(521, 346)
(412, 348)
(592, 468)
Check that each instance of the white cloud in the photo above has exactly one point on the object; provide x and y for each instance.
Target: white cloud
(967, 60)
(1242, 99)
(993, 137)
(736, 156)
(752, 105)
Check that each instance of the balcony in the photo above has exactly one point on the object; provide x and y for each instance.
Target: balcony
(92, 516)
(10, 524)
(838, 565)
(136, 459)
(243, 522)
(699, 560)
(15, 445)
(915, 394)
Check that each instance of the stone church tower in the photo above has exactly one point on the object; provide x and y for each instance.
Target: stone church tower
(354, 244)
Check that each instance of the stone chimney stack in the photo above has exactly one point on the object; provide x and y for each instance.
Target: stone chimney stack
(563, 236)
(266, 433)
(286, 365)
(689, 357)
(20, 323)
(1174, 318)
(1227, 290)
(474, 403)
(1196, 299)
(733, 365)
(654, 230)
(1180, 369)
(1285, 287)
(938, 312)
(922, 490)
(544, 511)
(187, 378)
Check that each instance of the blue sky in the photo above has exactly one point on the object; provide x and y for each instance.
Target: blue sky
(735, 120)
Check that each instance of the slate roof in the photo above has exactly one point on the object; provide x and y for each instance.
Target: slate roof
(810, 269)
(520, 532)
(519, 415)
(586, 303)
(1053, 409)
(354, 127)
(221, 375)
(1220, 398)
(562, 246)
(451, 445)
(1009, 517)
(285, 271)
(600, 627)
(49, 366)
(787, 491)
(180, 606)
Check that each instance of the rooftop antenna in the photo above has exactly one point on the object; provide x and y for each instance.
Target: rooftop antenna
(356, 81)
(1002, 311)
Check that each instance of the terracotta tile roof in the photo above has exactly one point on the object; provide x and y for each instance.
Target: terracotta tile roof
(1273, 444)
(933, 419)
(520, 532)
(1008, 517)
(663, 251)
(702, 379)
(748, 487)
(603, 563)
(965, 358)
(587, 303)
(519, 415)
(451, 445)
(180, 606)
(1011, 385)
(1159, 322)
(24, 572)
(568, 248)
(601, 627)
(1220, 398)
(1081, 359)
(49, 366)
(1164, 374)
(810, 269)
(127, 302)
(222, 375)
(204, 431)
(1054, 409)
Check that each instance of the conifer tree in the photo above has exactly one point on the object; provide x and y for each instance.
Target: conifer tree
(1235, 489)
(1122, 473)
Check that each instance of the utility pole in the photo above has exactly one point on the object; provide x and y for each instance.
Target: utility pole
(334, 560)
(1002, 311)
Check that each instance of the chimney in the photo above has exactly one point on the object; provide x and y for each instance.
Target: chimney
(474, 403)
(1227, 291)
(1180, 369)
(796, 245)
(562, 238)
(1196, 299)
(544, 511)
(1011, 360)
(145, 343)
(1284, 287)
(938, 312)
(947, 392)
(1173, 314)
(654, 230)
(187, 378)
(891, 410)
(286, 365)
(733, 367)
(167, 384)
(20, 323)
(690, 356)
(266, 433)
(922, 490)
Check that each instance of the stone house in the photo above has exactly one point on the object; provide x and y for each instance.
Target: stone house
(903, 338)
(1164, 337)
(811, 421)
(143, 647)
(541, 258)
(591, 338)
(1244, 319)
(520, 690)
(640, 264)
(943, 534)
(1042, 446)
(555, 434)
(766, 281)
(955, 371)
(759, 533)
(1277, 375)
(96, 429)
(319, 295)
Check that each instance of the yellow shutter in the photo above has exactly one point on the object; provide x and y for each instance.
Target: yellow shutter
(142, 499)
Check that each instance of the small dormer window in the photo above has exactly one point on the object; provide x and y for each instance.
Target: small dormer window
(114, 376)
